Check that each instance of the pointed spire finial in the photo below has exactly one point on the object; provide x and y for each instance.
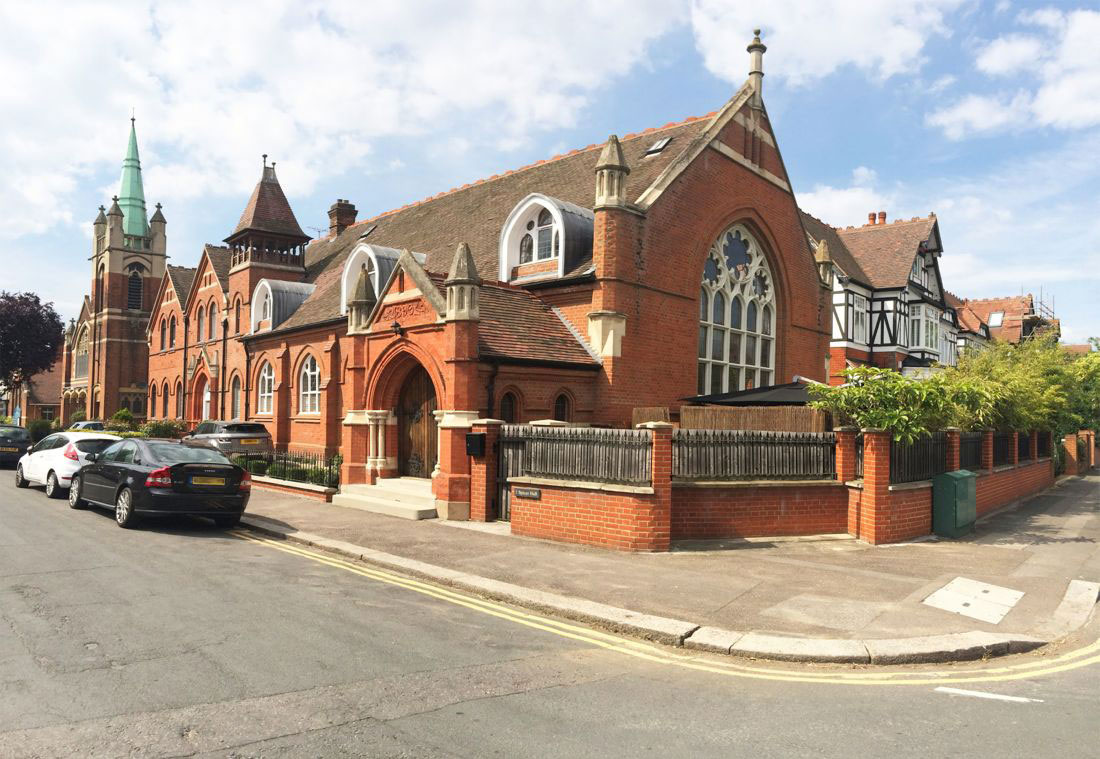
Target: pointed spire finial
(463, 270)
(612, 155)
(756, 50)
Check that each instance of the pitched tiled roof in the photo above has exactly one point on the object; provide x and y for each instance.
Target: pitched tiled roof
(220, 258)
(1078, 349)
(515, 324)
(45, 387)
(475, 213)
(841, 256)
(1016, 308)
(268, 209)
(885, 252)
(968, 318)
(181, 278)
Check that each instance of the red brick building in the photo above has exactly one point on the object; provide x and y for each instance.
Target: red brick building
(634, 273)
(105, 360)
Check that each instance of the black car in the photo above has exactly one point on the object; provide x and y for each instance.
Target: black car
(145, 477)
(14, 442)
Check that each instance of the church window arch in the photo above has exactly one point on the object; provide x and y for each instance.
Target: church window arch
(736, 316)
(200, 323)
(163, 334)
(563, 408)
(134, 289)
(265, 389)
(212, 322)
(309, 387)
(152, 401)
(172, 332)
(179, 400)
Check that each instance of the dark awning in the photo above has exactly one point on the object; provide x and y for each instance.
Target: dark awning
(790, 394)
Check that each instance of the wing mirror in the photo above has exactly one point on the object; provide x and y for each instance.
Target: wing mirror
(92, 457)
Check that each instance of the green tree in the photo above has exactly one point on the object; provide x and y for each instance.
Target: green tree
(30, 337)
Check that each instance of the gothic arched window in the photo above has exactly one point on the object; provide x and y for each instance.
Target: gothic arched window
(164, 402)
(172, 333)
(211, 323)
(152, 400)
(179, 400)
(265, 392)
(309, 387)
(563, 408)
(235, 397)
(200, 322)
(163, 334)
(134, 290)
(736, 316)
(508, 406)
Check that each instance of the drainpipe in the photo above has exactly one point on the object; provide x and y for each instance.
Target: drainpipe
(221, 372)
(183, 384)
(247, 380)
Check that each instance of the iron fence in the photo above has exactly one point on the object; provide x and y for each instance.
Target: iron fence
(1003, 446)
(920, 460)
(1044, 443)
(293, 466)
(588, 454)
(753, 455)
(970, 451)
(1023, 446)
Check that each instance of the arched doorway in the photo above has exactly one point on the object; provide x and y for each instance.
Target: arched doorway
(417, 436)
(202, 399)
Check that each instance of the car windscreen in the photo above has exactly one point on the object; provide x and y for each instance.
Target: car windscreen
(174, 453)
(14, 434)
(93, 446)
(246, 429)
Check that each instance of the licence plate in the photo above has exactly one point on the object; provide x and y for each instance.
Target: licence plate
(9, 450)
(250, 441)
(207, 480)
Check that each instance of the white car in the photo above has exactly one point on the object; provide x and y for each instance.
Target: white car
(56, 458)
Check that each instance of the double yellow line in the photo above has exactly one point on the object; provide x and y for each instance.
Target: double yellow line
(1082, 657)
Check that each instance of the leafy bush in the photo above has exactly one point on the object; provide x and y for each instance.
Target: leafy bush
(297, 473)
(277, 470)
(121, 421)
(166, 428)
(257, 467)
(78, 415)
(326, 478)
(38, 429)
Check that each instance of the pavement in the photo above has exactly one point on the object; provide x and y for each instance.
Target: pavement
(1032, 569)
(181, 639)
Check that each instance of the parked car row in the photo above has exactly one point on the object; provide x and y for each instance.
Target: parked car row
(135, 477)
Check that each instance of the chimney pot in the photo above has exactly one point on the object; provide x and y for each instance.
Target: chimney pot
(881, 217)
(871, 218)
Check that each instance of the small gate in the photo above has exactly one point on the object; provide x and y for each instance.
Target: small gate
(510, 464)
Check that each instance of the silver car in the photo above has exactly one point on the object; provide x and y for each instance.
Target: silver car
(231, 437)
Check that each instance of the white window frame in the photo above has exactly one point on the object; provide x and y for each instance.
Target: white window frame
(515, 228)
(309, 387)
(757, 369)
(860, 319)
(996, 319)
(265, 389)
(235, 397)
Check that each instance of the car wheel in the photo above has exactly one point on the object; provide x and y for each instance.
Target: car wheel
(20, 480)
(227, 522)
(75, 501)
(124, 508)
(53, 487)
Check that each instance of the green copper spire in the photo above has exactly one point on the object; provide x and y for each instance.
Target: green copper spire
(131, 195)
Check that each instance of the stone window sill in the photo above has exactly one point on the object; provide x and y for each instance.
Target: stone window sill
(581, 485)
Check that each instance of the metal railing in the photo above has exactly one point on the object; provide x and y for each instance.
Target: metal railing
(588, 454)
(293, 466)
(1023, 446)
(1044, 443)
(1003, 446)
(753, 455)
(920, 460)
(970, 451)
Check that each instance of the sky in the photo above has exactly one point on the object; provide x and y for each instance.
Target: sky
(986, 112)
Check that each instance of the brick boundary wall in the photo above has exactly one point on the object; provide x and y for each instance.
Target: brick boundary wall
(624, 521)
(750, 510)
(290, 488)
(1001, 488)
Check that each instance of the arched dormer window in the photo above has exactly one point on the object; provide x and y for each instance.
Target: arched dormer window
(309, 387)
(265, 389)
(379, 262)
(273, 302)
(736, 316)
(540, 234)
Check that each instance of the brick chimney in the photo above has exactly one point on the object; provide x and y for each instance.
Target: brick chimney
(881, 217)
(871, 219)
(341, 216)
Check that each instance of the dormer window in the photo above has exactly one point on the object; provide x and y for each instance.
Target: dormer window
(544, 237)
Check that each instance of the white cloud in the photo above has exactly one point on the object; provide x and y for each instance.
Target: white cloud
(1010, 54)
(979, 113)
(1068, 68)
(313, 84)
(808, 41)
(848, 206)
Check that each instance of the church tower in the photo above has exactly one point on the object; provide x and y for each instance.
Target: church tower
(128, 262)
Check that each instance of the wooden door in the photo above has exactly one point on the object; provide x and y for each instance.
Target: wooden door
(416, 430)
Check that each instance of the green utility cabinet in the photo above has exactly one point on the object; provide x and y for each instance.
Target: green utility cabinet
(954, 503)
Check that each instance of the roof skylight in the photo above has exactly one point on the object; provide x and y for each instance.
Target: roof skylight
(658, 146)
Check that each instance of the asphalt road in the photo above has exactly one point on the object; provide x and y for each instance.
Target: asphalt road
(178, 639)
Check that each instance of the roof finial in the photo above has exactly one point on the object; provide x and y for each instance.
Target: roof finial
(756, 51)
(265, 160)
(133, 114)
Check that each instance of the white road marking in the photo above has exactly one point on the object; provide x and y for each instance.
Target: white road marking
(991, 696)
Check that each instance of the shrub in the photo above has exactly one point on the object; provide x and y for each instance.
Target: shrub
(277, 470)
(78, 416)
(257, 467)
(297, 473)
(38, 429)
(166, 428)
(327, 478)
